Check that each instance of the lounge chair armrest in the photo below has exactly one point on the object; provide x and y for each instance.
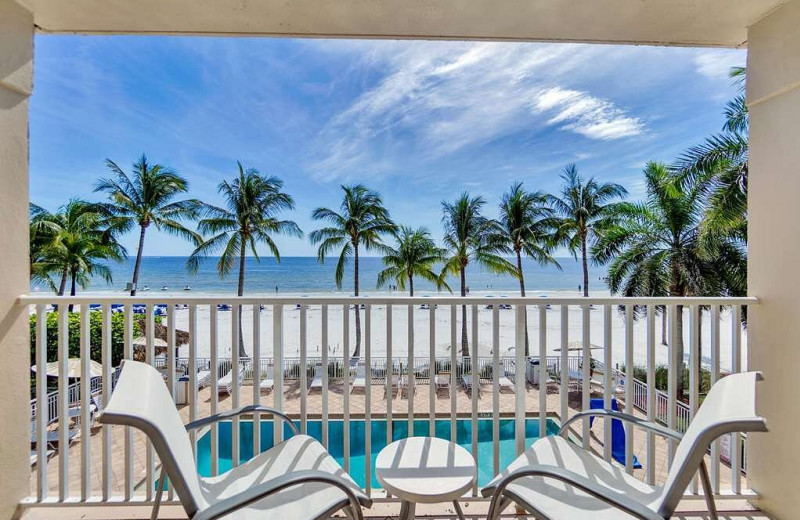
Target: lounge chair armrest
(648, 425)
(205, 421)
(265, 489)
(590, 487)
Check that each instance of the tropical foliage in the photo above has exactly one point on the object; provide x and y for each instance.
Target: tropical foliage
(251, 217)
(469, 237)
(415, 254)
(361, 222)
(584, 209)
(147, 197)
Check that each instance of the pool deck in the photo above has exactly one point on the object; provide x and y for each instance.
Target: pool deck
(357, 407)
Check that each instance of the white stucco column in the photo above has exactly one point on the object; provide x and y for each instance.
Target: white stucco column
(773, 92)
(16, 75)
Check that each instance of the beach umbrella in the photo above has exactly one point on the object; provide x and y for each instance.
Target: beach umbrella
(73, 368)
(158, 343)
(574, 346)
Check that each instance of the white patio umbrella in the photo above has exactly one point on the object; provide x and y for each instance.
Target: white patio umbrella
(578, 346)
(141, 341)
(73, 368)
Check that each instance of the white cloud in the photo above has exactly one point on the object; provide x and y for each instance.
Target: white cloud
(716, 64)
(436, 98)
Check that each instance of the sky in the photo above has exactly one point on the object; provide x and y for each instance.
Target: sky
(419, 121)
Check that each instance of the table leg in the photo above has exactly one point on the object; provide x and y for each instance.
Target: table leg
(407, 510)
(459, 512)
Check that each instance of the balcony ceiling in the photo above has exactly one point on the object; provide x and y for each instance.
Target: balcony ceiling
(655, 22)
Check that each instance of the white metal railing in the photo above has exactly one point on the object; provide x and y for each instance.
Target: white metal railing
(305, 335)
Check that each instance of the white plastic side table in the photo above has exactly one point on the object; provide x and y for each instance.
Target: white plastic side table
(425, 470)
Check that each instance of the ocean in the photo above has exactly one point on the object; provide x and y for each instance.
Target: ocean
(306, 275)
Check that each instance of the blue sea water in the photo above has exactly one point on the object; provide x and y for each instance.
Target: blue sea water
(378, 441)
(307, 275)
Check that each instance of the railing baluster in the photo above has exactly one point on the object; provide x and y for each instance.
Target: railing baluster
(42, 410)
(695, 317)
(106, 363)
(629, 379)
(63, 399)
(453, 373)
(673, 372)
(324, 368)
(736, 367)
(277, 358)
(346, 383)
(586, 373)
(150, 463)
(129, 448)
(432, 368)
(171, 346)
(475, 389)
(495, 389)
(192, 394)
(236, 339)
(542, 370)
(214, 348)
(607, 379)
(367, 398)
(564, 390)
(410, 378)
(715, 352)
(519, 378)
(256, 425)
(389, 374)
(651, 392)
(303, 368)
(86, 482)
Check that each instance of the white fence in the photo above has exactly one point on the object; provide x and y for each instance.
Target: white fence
(420, 346)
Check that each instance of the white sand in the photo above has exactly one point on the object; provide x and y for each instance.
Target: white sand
(291, 334)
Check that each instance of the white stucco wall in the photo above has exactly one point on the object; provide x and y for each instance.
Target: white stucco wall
(16, 70)
(774, 265)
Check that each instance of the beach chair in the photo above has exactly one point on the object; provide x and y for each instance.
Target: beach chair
(316, 382)
(268, 382)
(203, 379)
(406, 384)
(225, 383)
(504, 383)
(466, 383)
(558, 480)
(297, 479)
(442, 381)
(52, 437)
(360, 380)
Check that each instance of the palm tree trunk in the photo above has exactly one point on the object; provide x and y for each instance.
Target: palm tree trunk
(522, 293)
(464, 342)
(585, 260)
(357, 351)
(411, 285)
(242, 353)
(138, 259)
(63, 285)
(72, 288)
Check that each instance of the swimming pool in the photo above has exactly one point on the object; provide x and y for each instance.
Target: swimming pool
(378, 437)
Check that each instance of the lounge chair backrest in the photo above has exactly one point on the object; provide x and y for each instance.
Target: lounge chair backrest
(141, 400)
(730, 407)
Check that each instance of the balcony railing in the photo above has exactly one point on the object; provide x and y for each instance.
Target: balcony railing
(292, 339)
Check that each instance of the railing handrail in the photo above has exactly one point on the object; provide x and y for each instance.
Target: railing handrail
(380, 299)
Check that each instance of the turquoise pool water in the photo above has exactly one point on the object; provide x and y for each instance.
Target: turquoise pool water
(378, 437)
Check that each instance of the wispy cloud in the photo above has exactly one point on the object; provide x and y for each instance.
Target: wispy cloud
(716, 64)
(438, 98)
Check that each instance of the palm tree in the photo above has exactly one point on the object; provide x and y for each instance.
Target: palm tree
(147, 197)
(251, 217)
(654, 249)
(583, 211)
(470, 237)
(526, 226)
(414, 255)
(362, 220)
(74, 243)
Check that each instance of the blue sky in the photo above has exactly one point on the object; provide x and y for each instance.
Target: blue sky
(418, 121)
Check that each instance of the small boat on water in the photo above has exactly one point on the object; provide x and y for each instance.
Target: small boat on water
(164, 288)
(187, 288)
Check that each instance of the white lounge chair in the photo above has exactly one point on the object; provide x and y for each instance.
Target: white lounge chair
(268, 382)
(297, 479)
(505, 383)
(225, 383)
(316, 382)
(466, 382)
(442, 381)
(558, 480)
(203, 378)
(360, 380)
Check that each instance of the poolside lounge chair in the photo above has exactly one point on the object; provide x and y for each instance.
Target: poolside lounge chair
(268, 382)
(297, 479)
(316, 382)
(360, 380)
(558, 480)
(504, 383)
(442, 380)
(225, 383)
(466, 382)
(52, 437)
(405, 383)
(203, 378)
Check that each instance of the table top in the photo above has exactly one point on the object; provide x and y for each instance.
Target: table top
(425, 469)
